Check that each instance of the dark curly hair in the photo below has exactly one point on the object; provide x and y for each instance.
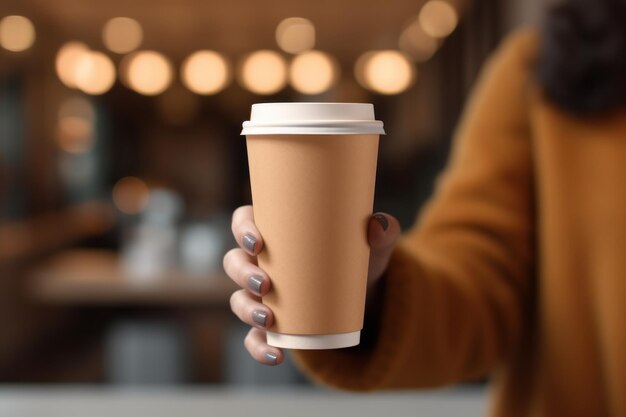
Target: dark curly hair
(582, 62)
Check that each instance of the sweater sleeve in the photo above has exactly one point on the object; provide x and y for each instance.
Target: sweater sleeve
(457, 284)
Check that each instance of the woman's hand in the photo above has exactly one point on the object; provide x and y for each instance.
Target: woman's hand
(241, 266)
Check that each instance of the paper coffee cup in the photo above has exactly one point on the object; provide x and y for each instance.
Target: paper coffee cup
(312, 174)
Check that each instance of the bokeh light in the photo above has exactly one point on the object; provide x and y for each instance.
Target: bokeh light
(416, 43)
(359, 68)
(17, 33)
(263, 72)
(130, 195)
(388, 72)
(205, 72)
(94, 73)
(295, 35)
(438, 18)
(313, 72)
(122, 35)
(147, 72)
(75, 132)
(66, 61)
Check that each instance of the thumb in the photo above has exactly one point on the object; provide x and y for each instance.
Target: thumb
(382, 233)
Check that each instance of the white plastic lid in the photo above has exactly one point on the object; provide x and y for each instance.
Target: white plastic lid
(312, 119)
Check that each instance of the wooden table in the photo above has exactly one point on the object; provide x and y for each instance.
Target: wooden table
(97, 277)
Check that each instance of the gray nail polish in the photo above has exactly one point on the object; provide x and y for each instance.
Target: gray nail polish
(271, 358)
(259, 317)
(382, 220)
(248, 242)
(255, 282)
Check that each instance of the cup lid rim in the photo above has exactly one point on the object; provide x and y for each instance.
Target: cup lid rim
(312, 118)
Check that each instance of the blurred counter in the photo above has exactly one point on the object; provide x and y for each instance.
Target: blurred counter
(222, 402)
(97, 277)
(166, 328)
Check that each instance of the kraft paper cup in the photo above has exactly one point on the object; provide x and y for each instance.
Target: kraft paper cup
(312, 174)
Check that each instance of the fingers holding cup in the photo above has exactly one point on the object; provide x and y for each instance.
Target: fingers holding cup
(241, 268)
(245, 231)
(256, 344)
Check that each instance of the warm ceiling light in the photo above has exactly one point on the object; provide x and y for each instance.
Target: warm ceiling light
(389, 72)
(438, 18)
(94, 73)
(264, 72)
(148, 72)
(359, 68)
(313, 72)
(66, 60)
(295, 35)
(122, 35)
(205, 72)
(17, 33)
(416, 43)
(130, 195)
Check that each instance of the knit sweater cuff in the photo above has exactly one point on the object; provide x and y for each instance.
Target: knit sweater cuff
(372, 365)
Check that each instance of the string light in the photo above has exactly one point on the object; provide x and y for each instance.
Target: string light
(94, 73)
(295, 35)
(205, 72)
(263, 72)
(416, 43)
(359, 69)
(147, 72)
(122, 35)
(438, 18)
(66, 61)
(313, 72)
(17, 33)
(387, 72)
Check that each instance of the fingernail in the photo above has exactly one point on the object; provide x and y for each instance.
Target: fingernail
(271, 358)
(248, 242)
(255, 282)
(382, 220)
(259, 317)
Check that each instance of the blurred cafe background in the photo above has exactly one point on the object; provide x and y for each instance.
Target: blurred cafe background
(121, 161)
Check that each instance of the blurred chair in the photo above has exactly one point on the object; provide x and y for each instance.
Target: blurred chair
(147, 353)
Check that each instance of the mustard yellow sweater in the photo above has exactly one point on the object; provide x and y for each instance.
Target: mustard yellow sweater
(516, 269)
